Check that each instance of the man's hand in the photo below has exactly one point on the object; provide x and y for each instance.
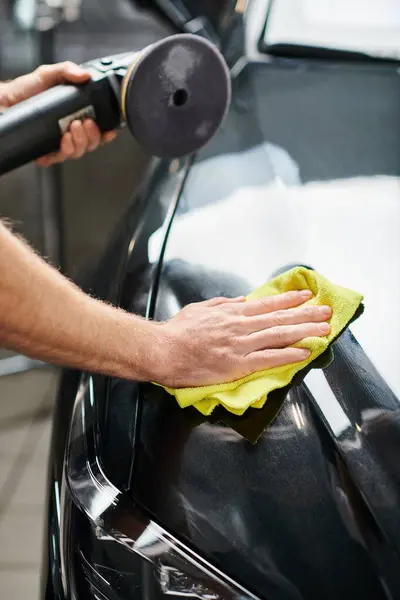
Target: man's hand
(81, 137)
(222, 340)
(45, 316)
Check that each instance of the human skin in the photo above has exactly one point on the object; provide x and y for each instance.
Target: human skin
(45, 316)
(81, 137)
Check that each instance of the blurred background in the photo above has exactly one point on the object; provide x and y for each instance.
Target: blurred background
(67, 214)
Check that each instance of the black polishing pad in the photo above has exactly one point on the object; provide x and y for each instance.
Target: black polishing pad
(177, 95)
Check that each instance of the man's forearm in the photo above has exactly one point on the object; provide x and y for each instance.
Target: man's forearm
(45, 316)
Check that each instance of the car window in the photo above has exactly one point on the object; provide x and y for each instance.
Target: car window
(372, 28)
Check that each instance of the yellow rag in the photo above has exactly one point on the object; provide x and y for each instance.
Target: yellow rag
(253, 390)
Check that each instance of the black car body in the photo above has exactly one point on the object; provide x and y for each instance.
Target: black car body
(148, 501)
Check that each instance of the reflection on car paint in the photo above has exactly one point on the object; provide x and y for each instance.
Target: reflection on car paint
(322, 224)
(312, 474)
(113, 518)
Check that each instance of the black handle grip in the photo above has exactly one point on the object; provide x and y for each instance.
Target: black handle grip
(34, 128)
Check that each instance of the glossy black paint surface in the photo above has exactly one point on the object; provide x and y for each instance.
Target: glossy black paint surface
(317, 495)
(303, 171)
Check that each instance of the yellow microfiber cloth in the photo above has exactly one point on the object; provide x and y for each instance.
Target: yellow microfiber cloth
(253, 390)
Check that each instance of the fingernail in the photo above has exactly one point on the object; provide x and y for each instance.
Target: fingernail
(77, 70)
(109, 137)
(324, 328)
(306, 293)
(305, 352)
(325, 310)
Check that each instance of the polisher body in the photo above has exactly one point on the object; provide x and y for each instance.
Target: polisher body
(173, 96)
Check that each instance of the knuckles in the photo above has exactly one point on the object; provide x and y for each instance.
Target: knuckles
(279, 318)
(42, 69)
(310, 312)
(277, 334)
(67, 65)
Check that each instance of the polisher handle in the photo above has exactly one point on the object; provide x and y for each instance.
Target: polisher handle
(34, 127)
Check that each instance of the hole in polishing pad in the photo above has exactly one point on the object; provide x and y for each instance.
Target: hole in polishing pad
(180, 97)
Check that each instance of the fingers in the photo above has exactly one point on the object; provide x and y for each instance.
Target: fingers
(108, 137)
(48, 160)
(68, 150)
(287, 335)
(84, 137)
(273, 303)
(72, 147)
(67, 147)
(291, 316)
(269, 359)
(87, 137)
(93, 135)
(81, 138)
(220, 300)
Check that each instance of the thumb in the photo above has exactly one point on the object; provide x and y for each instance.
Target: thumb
(42, 79)
(65, 72)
